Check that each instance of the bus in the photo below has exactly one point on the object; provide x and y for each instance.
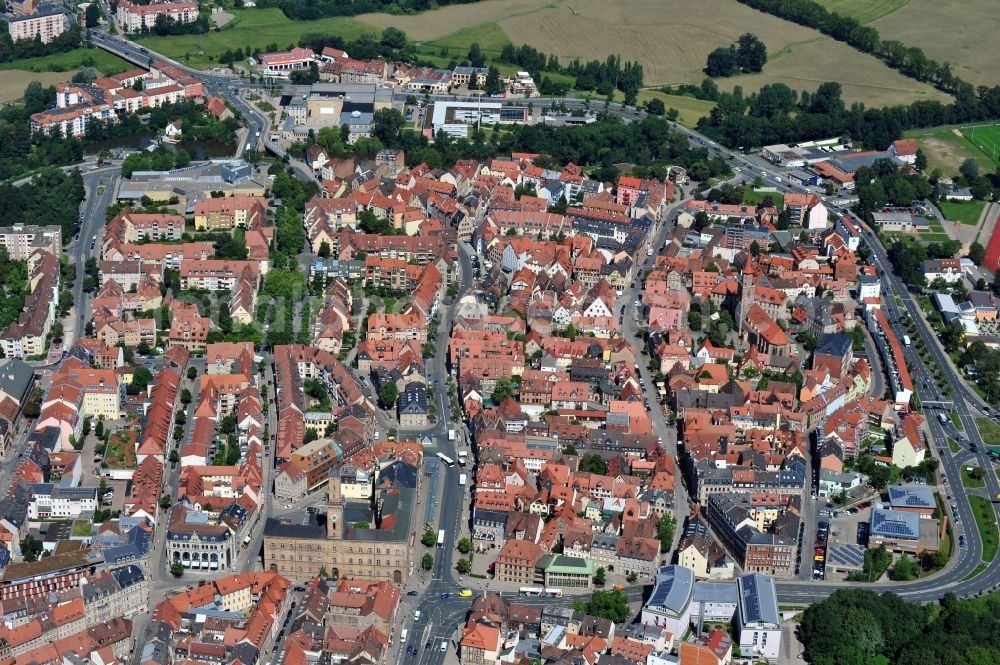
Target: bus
(553, 593)
(531, 591)
(447, 460)
(441, 538)
(906, 340)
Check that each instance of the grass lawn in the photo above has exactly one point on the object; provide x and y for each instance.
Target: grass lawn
(986, 522)
(980, 568)
(989, 430)
(750, 196)
(71, 61)
(956, 420)
(934, 237)
(82, 528)
(252, 28)
(490, 37)
(691, 110)
(953, 445)
(965, 211)
(969, 481)
(985, 140)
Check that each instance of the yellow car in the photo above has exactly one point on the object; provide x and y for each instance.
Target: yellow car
(465, 593)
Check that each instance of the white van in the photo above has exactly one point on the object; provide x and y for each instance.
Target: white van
(402, 636)
(444, 647)
(416, 615)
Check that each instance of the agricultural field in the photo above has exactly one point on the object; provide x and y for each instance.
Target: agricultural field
(967, 212)
(14, 81)
(864, 11)
(668, 39)
(250, 29)
(52, 69)
(964, 35)
(452, 19)
(804, 66)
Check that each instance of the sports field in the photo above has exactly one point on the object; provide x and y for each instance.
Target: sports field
(250, 29)
(947, 147)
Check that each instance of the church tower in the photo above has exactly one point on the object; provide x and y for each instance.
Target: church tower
(334, 509)
(746, 295)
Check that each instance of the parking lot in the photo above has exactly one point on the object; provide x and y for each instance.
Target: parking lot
(843, 531)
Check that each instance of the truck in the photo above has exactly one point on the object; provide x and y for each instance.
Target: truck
(906, 340)
(451, 435)
(462, 478)
(943, 418)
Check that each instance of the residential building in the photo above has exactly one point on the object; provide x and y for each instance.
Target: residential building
(131, 17)
(46, 25)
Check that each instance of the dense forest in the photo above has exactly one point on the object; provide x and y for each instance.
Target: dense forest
(52, 197)
(859, 627)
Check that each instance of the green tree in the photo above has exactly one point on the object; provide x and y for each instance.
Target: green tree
(429, 538)
(665, 531)
(427, 561)
(464, 546)
(176, 569)
(185, 396)
(166, 502)
(493, 86)
(192, 372)
(99, 429)
(593, 463)
(751, 52)
(977, 253)
(611, 605)
(502, 390)
(463, 566)
(600, 576)
(388, 394)
(904, 570)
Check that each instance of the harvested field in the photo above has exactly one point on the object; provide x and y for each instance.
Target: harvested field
(864, 78)
(865, 11)
(964, 35)
(14, 81)
(669, 40)
(454, 18)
